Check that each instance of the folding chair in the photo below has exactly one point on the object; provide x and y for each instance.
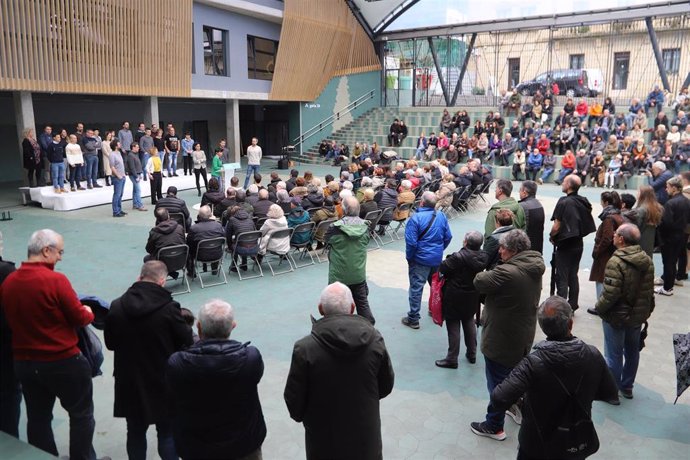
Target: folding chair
(246, 245)
(373, 218)
(323, 225)
(385, 226)
(211, 245)
(277, 235)
(179, 218)
(259, 222)
(302, 249)
(312, 211)
(402, 207)
(175, 258)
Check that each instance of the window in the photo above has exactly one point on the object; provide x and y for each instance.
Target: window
(261, 55)
(621, 66)
(577, 61)
(215, 45)
(671, 58)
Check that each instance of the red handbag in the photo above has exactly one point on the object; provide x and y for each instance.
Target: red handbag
(436, 298)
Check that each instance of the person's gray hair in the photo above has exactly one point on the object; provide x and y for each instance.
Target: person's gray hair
(42, 239)
(406, 184)
(283, 196)
(280, 185)
(515, 241)
(660, 165)
(505, 186)
(344, 193)
(350, 206)
(153, 270)
(429, 199)
(530, 187)
(366, 180)
(630, 234)
(216, 318)
(347, 185)
(553, 315)
(253, 189)
(275, 212)
(474, 240)
(263, 194)
(336, 299)
(204, 212)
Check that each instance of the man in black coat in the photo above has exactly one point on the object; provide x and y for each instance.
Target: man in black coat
(166, 233)
(205, 228)
(144, 327)
(534, 215)
(175, 205)
(262, 204)
(224, 419)
(558, 364)
(338, 375)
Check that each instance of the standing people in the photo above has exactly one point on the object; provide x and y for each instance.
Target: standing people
(145, 145)
(159, 144)
(43, 312)
(91, 144)
(225, 419)
(627, 300)
(672, 234)
(217, 165)
(56, 155)
(560, 368)
(187, 146)
(348, 239)
(337, 376)
(172, 149)
(31, 151)
(461, 299)
(572, 221)
(534, 215)
(199, 160)
(124, 135)
(105, 148)
(75, 158)
(604, 247)
(134, 171)
(44, 140)
(503, 190)
(649, 212)
(512, 292)
(154, 169)
(143, 328)
(254, 155)
(427, 235)
(117, 166)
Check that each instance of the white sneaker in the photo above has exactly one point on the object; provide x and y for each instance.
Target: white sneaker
(658, 281)
(678, 283)
(515, 413)
(662, 291)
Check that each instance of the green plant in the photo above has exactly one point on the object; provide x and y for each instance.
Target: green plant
(477, 91)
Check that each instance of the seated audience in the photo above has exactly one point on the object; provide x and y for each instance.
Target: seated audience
(214, 195)
(276, 221)
(167, 232)
(205, 228)
(174, 205)
(262, 205)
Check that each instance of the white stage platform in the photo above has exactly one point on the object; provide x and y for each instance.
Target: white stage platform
(48, 199)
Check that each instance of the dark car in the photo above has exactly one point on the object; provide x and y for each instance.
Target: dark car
(571, 82)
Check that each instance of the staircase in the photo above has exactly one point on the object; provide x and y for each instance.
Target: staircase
(372, 126)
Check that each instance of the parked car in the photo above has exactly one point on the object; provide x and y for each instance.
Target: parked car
(571, 82)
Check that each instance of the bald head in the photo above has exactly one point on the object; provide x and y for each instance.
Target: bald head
(336, 299)
(204, 213)
(429, 199)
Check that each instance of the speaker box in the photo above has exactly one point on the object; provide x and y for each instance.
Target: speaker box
(283, 163)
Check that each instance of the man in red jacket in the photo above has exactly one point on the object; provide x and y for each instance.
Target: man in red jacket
(43, 312)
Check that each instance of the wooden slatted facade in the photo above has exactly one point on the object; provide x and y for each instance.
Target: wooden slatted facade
(118, 47)
(320, 39)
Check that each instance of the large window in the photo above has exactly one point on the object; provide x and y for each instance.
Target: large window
(621, 68)
(577, 61)
(215, 46)
(671, 58)
(261, 57)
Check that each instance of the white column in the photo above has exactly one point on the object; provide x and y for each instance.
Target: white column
(232, 128)
(24, 116)
(151, 110)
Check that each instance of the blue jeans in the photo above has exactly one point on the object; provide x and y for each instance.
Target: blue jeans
(136, 191)
(136, 440)
(57, 174)
(172, 163)
(91, 169)
(75, 175)
(619, 344)
(144, 157)
(564, 172)
(251, 170)
(68, 380)
(546, 174)
(495, 374)
(418, 274)
(118, 189)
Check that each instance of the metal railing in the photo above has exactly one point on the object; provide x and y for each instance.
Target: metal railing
(298, 142)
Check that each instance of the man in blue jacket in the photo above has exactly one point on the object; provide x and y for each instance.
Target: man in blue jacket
(427, 234)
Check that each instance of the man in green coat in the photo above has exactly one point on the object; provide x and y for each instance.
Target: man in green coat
(625, 304)
(503, 190)
(348, 239)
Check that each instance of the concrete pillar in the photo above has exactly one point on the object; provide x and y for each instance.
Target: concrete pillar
(151, 111)
(24, 116)
(232, 128)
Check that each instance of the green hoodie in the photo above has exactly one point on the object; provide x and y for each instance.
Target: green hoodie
(508, 203)
(349, 238)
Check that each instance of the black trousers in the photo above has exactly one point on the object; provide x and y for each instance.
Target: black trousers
(670, 253)
(682, 272)
(567, 264)
(156, 187)
(187, 164)
(469, 328)
(360, 293)
(200, 172)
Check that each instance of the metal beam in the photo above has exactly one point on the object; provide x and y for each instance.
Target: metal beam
(438, 70)
(671, 8)
(468, 54)
(388, 20)
(362, 22)
(657, 53)
(686, 83)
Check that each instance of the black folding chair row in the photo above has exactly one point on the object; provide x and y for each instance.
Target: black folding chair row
(210, 246)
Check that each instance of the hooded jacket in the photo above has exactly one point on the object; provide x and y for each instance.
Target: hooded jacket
(426, 249)
(225, 419)
(508, 203)
(509, 317)
(144, 327)
(574, 212)
(460, 297)
(628, 296)
(296, 217)
(387, 198)
(574, 362)
(348, 239)
(312, 200)
(337, 376)
(164, 234)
